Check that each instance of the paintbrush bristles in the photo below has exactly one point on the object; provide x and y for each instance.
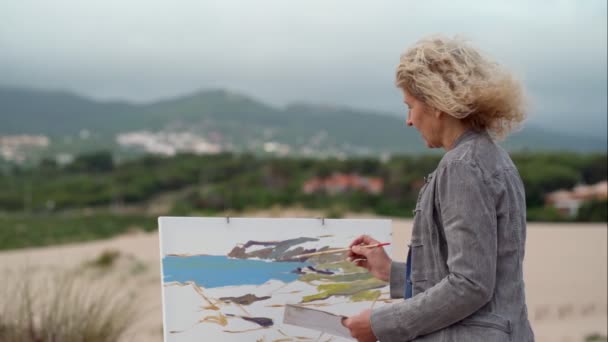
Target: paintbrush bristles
(333, 251)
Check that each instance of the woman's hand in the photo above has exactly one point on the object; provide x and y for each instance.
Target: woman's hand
(375, 260)
(360, 326)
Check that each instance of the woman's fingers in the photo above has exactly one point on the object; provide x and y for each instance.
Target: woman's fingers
(356, 241)
(359, 250)
(375, 259)
(364, 239)
(360, 262)
(361, 240)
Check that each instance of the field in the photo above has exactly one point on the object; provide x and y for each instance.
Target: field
(565, 274)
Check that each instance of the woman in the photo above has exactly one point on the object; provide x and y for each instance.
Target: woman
(463, 281)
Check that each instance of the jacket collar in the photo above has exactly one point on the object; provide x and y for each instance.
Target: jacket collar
(469, 134)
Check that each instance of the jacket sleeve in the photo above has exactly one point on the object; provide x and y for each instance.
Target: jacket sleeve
(397, 279)
(467, 210)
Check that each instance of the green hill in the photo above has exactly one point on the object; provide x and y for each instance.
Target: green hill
(238, 122)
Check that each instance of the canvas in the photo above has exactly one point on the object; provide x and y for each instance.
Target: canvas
(230, 279)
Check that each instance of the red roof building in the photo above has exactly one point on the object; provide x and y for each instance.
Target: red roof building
(569, 201)
(340, 183)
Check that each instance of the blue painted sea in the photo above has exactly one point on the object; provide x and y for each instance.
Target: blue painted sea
(218, 271)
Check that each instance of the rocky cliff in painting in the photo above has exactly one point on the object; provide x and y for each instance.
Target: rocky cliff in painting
(281, 250)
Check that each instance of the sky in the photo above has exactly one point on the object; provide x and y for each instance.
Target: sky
(336, 52)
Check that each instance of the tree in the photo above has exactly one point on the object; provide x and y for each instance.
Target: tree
(100, 161)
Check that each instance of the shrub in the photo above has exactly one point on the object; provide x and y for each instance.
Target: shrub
(64, 307)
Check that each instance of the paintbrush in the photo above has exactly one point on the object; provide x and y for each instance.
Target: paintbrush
(332, 251)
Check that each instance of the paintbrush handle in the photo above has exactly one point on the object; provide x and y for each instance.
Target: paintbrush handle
(339, 250)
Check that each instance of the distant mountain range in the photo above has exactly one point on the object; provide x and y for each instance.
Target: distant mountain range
(229, 121)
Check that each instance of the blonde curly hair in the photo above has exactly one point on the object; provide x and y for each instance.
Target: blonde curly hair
(453, 77)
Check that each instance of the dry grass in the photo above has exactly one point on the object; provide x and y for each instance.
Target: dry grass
(596, 338)
(41, 305)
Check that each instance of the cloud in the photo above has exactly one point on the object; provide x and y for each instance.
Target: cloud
(339, 52)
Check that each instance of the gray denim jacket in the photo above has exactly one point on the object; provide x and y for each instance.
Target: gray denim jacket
(467, 249)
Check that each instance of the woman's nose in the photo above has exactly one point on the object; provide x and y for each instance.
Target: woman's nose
(408, 121)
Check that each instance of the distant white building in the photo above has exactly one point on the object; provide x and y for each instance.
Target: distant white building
(14, 147)
(276, 148)
(167, 143)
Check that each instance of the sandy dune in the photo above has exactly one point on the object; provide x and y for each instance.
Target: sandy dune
(565, 273)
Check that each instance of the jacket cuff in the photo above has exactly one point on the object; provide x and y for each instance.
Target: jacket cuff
(385, 324)
(397, 280)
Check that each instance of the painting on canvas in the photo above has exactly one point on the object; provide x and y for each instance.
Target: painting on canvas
(230, 279)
